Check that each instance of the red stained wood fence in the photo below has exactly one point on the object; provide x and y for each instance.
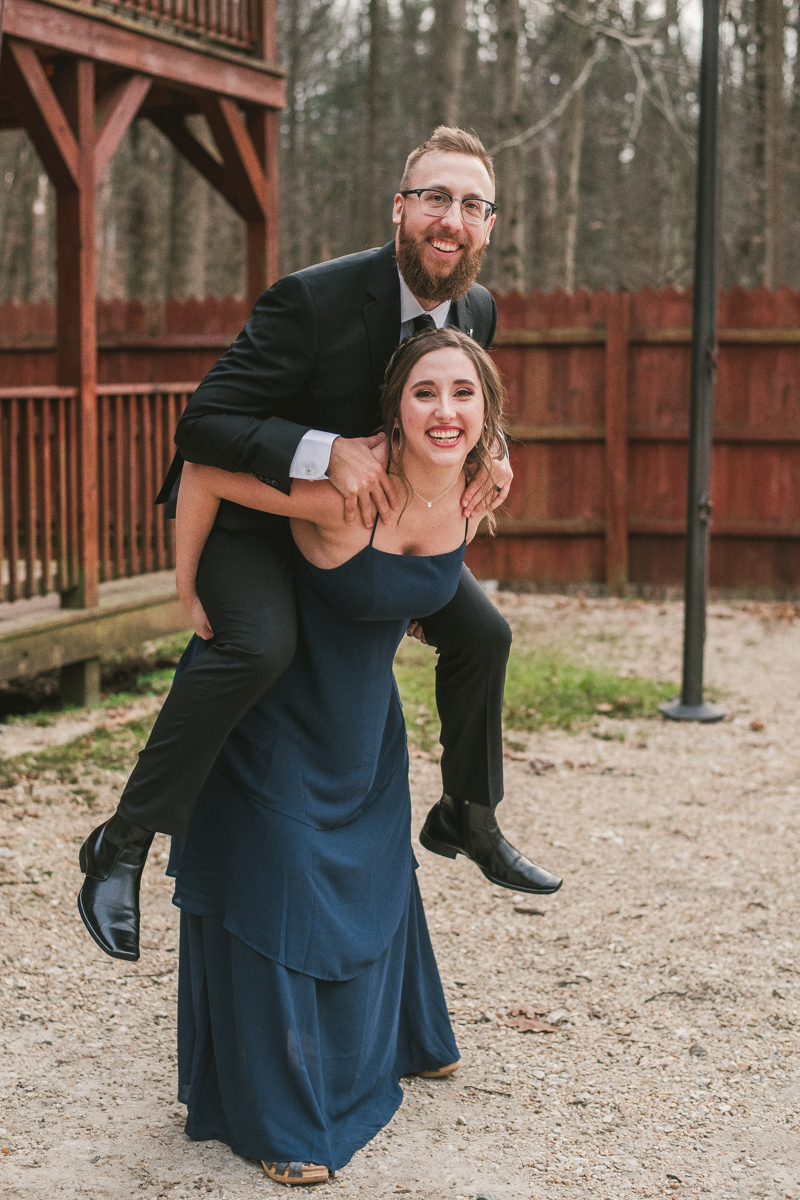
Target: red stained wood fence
(39, 494)
(599, 407)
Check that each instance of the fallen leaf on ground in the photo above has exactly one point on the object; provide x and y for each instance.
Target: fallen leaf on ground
(529, 1020)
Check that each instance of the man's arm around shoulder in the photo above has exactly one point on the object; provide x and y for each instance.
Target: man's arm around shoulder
(240, 417)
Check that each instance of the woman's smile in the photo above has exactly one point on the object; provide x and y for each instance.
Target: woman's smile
(445, 435)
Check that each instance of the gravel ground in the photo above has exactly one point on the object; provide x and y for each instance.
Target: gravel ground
(669, 964)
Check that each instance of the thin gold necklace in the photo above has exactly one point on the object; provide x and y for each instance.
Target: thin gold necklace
(430, 503)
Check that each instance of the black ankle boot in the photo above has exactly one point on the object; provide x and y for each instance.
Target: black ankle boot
(457, 827)
(112, 858)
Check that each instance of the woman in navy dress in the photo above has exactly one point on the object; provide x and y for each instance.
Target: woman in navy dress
(308, 985)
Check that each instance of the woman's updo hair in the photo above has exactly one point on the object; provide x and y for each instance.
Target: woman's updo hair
(483, 455)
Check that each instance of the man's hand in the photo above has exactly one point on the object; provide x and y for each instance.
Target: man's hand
(357, 470)
(472, 495)
(415, 630)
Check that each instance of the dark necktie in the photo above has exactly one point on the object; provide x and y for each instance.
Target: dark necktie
(422, 322)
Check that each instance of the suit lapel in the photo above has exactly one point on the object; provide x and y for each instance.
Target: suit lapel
(462, 316)
(382, 310)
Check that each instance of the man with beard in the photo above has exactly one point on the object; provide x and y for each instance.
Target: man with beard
(297, 396)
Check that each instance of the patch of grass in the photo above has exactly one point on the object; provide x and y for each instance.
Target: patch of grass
(155, 683)
(112, 749)
(414, 666)
(543, 688)
(548, 689)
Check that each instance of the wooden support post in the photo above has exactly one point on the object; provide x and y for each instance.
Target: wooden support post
(262, 235)
(76, 314)
(618, 336)
(79, 684)
(61, 126)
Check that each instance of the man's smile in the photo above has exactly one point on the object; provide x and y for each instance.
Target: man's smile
(445, 246)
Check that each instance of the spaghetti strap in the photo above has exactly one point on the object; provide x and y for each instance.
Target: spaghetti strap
(374, 527)
(466, 530)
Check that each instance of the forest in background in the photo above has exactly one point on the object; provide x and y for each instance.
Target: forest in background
(590, 108)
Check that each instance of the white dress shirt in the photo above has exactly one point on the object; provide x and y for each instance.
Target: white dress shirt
(313, 453)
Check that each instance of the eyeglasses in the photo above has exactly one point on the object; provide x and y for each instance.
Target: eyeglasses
(435, 203)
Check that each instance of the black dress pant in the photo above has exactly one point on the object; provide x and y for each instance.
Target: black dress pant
(245, 584)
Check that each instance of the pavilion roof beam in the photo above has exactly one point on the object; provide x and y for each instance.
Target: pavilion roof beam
(121, 108)
(239, 157)
(41, 114)
(238, 177)
(175, 128)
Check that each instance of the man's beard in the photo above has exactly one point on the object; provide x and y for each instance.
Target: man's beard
(430, 287)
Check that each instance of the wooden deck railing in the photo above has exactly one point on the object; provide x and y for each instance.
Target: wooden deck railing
(232, 23)
(38, 490)
(39, 509)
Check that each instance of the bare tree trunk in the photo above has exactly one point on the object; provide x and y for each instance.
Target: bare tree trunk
(448, 38)
(576, 116)
(376, 217)
(42, 268)
(22, 169)
(188, 231)
(572, 198)
(664, 166)
(549, 209)
(510, 271)
(148, 228)
(774, 145)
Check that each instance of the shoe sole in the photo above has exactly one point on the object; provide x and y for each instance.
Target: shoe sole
(298, 1182)
(449, 852)
(96, 937)
(436, 847)
(442, 1073)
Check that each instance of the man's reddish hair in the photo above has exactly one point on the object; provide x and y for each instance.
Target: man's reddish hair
(446, 140)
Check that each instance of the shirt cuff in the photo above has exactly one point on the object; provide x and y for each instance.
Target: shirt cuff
(312, 456)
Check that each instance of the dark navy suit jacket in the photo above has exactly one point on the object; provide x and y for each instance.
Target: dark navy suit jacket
(312, 356)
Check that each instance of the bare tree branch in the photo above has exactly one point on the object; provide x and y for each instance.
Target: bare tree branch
(533, 130)
(667, 111)
(608, 31)
(641, 90)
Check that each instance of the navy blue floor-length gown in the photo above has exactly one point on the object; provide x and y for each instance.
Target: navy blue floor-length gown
(308, 984)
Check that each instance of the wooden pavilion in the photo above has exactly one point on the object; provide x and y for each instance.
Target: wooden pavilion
(80, 463)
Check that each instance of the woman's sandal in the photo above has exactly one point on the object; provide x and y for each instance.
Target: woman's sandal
(441, 1073)
(296, 1172)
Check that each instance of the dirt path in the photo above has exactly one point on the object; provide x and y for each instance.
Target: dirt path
(669, 961)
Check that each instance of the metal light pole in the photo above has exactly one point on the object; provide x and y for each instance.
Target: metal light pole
(690, 706)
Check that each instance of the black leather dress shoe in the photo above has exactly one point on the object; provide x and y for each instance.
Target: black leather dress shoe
(457, 827)
(112, 858)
